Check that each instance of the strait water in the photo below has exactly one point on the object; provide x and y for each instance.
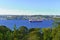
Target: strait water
(10, 23)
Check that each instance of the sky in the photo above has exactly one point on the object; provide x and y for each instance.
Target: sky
(29, 7)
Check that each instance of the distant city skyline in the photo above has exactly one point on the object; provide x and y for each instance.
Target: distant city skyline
(29, 7)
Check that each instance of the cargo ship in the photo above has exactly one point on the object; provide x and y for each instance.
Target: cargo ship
(35, 20)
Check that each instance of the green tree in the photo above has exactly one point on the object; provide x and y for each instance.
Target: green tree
(1, 36)
(22, 32)
(3, 31)
(53, 33)
(57, 33)
(15, 36)
(9, 35)
(34, 34)
(46, 33)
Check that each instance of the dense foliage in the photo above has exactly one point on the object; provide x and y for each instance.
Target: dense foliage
(23, 33)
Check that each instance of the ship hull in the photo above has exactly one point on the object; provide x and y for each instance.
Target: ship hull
(35, 21)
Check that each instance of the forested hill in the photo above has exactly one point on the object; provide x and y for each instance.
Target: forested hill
(9, 17)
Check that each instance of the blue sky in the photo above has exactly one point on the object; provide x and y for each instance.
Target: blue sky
(30, 7)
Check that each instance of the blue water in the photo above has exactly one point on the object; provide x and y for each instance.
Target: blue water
(10, 23)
